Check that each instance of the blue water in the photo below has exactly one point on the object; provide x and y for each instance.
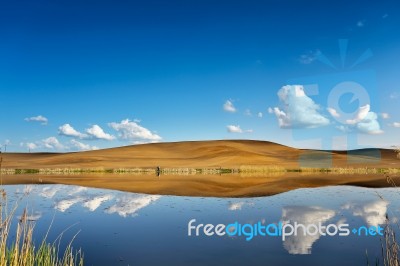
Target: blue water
(120, 228)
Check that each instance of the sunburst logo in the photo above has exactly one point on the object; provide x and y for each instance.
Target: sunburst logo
(347, 98)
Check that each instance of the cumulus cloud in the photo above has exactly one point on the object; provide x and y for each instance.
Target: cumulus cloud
(364, 121)
(370, 124)
(237, 129)
(41, 119)
(129, 130)
(260, 115)
(385, 115)
(395, 124)
(82, 146)
(360, 115)
(300, 111)
(373, 212)
(68, 131)
(52, 143)
(94, 132)
(98, 133)
(31, 146)
(333, 112)
(248, 112)
(130, 205)
(229, 107)
(234, 129)
(301, 243)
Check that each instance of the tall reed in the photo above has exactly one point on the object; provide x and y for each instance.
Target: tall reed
(22, 251)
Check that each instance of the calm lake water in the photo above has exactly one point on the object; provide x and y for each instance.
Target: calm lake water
(119, 228)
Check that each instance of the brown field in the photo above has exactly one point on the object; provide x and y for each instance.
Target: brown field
(202, 154)
(199, 154)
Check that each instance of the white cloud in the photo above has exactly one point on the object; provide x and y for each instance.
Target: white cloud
(31, 146)
(129, 130)
(43, 120)
(364, 121)
(360, 115)
(94, 132)
(333, 112)
(309, 57)
(50, 192)
(237, 129)
(300, 110)
(395, 124)
(344, 129)
(82, 146)
(73, 190)
(234, 129)
(52, 143)
(374, 212)
(260, 115)
(385, 115)
(65, 204)
(98, 133)
(95, 203)
(301, 243)
(229, 107)
(361, 23)
(248, 112)
(236, 206)
(130, 205)
(68, 131)
(370, 124)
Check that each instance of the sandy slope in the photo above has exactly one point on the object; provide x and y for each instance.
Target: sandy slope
(202, 154)
(223, 153)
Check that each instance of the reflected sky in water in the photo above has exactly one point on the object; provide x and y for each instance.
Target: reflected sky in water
(120, 228)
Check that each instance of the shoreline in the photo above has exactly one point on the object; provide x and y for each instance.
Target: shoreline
(225, 185)
(248, 169)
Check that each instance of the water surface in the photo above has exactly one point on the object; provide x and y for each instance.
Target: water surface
(121, 228)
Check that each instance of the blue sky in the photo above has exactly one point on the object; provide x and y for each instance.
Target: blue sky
(95, 74)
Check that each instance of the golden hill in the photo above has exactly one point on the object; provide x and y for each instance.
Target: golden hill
(198, 154)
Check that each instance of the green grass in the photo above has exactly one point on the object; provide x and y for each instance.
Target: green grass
(22, 250)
